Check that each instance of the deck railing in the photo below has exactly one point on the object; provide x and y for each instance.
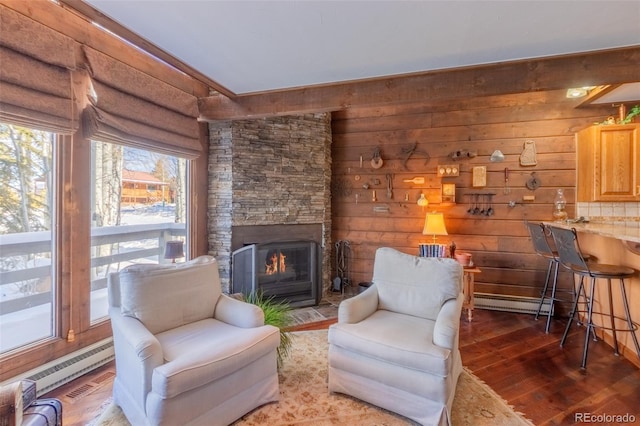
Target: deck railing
(26, 258)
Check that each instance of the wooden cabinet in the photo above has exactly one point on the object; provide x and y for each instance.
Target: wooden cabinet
(608, 166)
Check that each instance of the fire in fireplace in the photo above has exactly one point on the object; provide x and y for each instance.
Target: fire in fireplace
(287, 271)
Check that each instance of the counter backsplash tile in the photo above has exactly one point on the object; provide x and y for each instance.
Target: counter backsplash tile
(609, 212)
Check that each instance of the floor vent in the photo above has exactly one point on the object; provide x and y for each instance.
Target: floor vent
(63, 370)
(517, 304)
(89, 386)
(79, 391)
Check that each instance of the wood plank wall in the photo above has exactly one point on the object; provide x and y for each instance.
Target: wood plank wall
(499, 243)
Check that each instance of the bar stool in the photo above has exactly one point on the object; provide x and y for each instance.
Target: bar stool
(538, 234)
(570, 256)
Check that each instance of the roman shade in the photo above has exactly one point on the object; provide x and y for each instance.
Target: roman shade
(50, 82)
(127, 106)
(35, 77)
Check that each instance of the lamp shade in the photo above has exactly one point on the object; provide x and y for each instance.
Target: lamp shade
(434, 225)
(173, 250)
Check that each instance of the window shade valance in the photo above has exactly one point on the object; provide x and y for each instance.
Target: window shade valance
(130, 107)
(44, 85)
(35, 76)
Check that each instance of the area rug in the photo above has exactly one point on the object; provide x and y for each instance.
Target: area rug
(304, 399)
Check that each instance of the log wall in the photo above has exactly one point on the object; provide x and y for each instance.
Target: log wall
(499, 244)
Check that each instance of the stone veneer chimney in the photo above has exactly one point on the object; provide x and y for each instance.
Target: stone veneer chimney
(270, 171)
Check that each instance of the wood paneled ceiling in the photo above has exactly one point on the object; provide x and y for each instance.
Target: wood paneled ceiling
(249, 47)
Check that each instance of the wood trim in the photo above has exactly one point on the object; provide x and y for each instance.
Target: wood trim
(432, 88)
(199, 186)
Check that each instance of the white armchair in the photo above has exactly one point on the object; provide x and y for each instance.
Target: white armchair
(396, 344)
(186, 354)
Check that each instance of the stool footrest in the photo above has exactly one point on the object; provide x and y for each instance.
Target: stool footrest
(608, 327)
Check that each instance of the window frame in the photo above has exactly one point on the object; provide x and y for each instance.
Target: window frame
(73, 328)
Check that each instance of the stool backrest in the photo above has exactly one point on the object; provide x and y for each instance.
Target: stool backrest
(538, 233)
(569, 253)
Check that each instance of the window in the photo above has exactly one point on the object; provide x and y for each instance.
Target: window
(27, 279)
(138, 204)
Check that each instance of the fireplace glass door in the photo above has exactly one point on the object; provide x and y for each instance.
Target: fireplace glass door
(286, 271)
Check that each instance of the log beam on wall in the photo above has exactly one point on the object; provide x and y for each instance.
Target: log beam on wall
(434, 88)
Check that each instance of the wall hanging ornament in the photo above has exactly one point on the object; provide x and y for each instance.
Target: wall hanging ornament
(528, 155)
(409, 150)
(533, 182)
(376, 159)
(463, 154)
(497, 156)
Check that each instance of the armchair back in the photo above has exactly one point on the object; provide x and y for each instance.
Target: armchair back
(164, 297)
(412, 285)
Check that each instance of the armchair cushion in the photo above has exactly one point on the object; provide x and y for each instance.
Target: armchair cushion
(205, 351)
(397, 339)
(404, 287)
(194, 288)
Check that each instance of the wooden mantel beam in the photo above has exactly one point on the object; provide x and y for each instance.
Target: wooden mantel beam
(562, 72)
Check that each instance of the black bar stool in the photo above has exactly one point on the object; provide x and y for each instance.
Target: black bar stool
(538, 234)
(570, 256)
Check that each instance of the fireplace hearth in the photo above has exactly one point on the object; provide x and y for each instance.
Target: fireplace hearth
(286, 271)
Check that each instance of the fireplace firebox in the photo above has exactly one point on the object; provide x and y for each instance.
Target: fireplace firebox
(285, 271)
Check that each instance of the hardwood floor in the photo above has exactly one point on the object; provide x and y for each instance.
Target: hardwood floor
(510, 352)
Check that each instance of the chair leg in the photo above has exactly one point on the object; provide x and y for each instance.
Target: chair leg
(573, 311)
(544, 290)
(612, 320)
(630, 323)
(589, 325)
(553, 297)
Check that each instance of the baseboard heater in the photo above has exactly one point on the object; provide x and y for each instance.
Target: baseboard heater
(69, 367)
(517, 304)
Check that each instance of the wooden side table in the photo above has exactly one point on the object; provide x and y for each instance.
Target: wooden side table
(467, 289)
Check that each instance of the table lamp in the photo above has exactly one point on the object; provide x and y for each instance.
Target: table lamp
(173, 250)
(434, 225)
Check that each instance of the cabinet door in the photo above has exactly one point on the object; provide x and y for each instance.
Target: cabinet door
(617, 163)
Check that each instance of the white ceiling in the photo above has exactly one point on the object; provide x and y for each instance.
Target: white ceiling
(254, 46)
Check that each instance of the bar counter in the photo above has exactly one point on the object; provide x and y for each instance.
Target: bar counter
(625, 231)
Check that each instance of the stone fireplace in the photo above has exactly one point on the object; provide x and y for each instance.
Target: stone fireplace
(269, 181)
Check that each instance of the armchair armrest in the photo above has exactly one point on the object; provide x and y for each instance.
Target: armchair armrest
(359, 307)
(447, 326)
(238, 313)
(138, 353)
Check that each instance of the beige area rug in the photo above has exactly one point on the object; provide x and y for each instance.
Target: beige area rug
(305, 400)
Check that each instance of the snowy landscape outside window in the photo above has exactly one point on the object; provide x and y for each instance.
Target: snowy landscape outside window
(139, 201)
(27, 278)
